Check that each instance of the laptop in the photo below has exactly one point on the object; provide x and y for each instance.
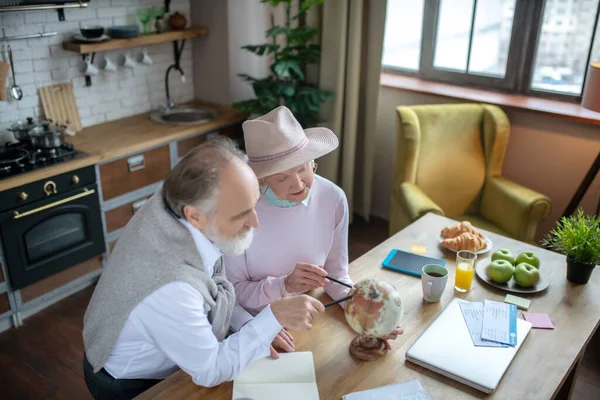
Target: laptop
(446, 348)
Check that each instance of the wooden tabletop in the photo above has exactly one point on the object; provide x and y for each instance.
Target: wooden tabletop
(116, 139)
(537, 371)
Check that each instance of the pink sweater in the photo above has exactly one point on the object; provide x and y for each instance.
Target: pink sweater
(315, 234)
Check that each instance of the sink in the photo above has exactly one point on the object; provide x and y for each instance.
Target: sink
(183, 115)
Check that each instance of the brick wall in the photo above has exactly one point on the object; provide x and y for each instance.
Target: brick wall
(42, 61)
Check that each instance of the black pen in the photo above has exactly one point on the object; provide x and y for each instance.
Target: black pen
(340, 282)
(337, 301)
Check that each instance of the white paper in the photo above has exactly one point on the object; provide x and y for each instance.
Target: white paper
(409, 390)
(473, 314)
(499, 322)
(291, 377)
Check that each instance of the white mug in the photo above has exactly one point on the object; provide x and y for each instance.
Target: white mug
(106, 65)
(433, 279)
(125, 61)
(87, 68)
(143, 58)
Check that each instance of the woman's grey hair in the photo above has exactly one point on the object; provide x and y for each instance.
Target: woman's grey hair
(194, 181)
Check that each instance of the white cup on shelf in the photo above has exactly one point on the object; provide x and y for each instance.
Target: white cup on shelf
(143, 58)
(125, 61)
(87, 68)
(107, 65)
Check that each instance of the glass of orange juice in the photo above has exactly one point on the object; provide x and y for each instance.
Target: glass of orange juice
(465, 268)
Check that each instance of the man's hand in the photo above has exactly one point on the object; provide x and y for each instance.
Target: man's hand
(392, 336)
(285, 341)
(305, 277)
(297, 312)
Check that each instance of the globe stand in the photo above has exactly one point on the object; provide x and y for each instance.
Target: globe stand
(367, 348)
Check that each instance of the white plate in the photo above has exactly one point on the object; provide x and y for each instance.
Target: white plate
(80, 38)
(482, 251)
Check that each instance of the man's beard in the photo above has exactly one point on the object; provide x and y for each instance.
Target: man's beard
(236, 245)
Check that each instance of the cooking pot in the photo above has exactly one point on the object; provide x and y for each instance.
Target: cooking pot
(20, 129)
(46, 136)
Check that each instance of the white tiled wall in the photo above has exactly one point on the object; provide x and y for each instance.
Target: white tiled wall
(42, 61)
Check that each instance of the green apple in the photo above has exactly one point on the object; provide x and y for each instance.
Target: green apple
(529, 258)
(526, 275)
(504, 254)
(500, 271)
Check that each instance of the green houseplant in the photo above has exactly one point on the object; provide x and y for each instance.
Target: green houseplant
(286, 84)
(578, 237)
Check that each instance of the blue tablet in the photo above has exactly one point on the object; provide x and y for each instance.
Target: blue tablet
(409, 263)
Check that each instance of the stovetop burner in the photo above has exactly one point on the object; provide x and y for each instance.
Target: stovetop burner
(18, 158)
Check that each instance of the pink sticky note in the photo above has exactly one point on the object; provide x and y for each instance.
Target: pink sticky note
(538, 320)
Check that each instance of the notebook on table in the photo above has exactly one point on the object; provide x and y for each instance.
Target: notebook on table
(291, 377)
(446, 348)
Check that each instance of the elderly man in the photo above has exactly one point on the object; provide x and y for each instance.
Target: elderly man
(163, 301)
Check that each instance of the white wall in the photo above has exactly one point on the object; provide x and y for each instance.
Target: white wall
(42, 61)
(544, 153)
(219, 58)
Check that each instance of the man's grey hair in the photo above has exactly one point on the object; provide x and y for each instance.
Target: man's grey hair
(194, 181)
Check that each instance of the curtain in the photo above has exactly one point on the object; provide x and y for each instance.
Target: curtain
(352, 43)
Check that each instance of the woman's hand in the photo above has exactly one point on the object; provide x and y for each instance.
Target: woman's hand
(392, 336)
(305, 277)
(285, 341)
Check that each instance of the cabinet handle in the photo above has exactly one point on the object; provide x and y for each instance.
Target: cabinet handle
(86, 192)
(136, 163)
(138, 204)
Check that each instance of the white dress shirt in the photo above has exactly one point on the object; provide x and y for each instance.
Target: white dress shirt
(169, 330)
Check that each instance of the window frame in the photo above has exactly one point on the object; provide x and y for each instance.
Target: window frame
(522, 51)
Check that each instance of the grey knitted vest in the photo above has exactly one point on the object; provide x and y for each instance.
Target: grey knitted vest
(153, 250)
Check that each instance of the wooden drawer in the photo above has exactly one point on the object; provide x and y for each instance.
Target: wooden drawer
(186, 145)
(4, 303)
(128, 174)
(120, 216)
(62, 278)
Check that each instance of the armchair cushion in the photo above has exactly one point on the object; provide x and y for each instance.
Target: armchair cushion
(414, 202)
(451, 163)
(514, 208)
(409, 203)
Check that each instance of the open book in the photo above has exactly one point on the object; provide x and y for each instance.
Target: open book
(291, 377)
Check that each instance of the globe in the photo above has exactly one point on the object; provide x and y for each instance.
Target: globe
(374, 310)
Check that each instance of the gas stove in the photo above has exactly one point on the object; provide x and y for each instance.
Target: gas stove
(19, 158)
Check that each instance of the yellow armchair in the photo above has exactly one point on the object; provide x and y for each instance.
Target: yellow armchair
(449, 161)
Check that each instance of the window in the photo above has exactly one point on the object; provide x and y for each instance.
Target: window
(529, 47)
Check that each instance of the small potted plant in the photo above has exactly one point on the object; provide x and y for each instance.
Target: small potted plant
(577, 237)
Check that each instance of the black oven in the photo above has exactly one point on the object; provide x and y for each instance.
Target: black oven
(50, 225)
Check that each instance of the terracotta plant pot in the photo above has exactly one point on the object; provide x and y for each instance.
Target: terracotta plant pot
(579, 273)
(177, 22)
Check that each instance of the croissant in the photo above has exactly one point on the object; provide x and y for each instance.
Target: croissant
(455, 230)
(465, 241)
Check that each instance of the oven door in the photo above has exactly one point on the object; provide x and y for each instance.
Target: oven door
(49, 236)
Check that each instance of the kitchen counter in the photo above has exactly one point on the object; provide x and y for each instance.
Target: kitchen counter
(116, 139)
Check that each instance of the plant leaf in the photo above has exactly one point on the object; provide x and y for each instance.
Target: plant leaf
(286, 66)
(261, 49)
(275, 3)
(247, 77)
(308, 4)
(278, 30)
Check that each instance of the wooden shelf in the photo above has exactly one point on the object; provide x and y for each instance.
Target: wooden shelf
(142, 40)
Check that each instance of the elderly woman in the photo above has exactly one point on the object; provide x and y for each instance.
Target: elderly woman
(302, 236)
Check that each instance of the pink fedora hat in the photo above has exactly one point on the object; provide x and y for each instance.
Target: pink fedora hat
(276, 142)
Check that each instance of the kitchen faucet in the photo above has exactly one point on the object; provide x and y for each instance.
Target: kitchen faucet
(178, 51)
(170, 104)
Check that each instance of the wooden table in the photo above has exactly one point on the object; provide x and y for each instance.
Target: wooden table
(544, 365)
